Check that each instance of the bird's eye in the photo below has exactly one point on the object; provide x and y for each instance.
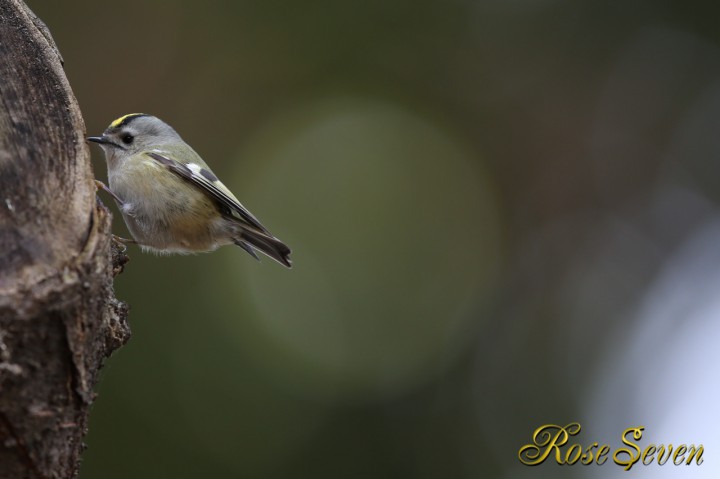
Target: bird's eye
(127, 138)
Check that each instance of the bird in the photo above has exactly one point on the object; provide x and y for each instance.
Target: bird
(170, 199)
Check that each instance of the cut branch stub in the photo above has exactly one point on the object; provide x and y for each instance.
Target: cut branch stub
(59, 318)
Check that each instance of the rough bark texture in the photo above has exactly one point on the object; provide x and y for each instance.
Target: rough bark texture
(59, 318)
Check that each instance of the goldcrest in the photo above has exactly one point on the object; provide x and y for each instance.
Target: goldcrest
(170, 199)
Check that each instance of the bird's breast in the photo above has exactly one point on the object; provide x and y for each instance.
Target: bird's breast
(163, 211)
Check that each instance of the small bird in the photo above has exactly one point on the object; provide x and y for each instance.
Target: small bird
(170, 199)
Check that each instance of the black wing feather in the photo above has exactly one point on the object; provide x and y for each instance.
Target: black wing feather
(209, 187)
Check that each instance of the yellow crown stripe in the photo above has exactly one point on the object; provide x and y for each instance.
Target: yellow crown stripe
(119, 121)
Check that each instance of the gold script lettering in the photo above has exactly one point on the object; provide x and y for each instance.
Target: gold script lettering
(546, 439)
(679, 455)
(632, 458)
(691, 453)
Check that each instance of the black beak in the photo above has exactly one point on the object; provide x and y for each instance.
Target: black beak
(98, 139)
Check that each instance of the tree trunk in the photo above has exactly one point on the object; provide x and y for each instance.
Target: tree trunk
(59, 318)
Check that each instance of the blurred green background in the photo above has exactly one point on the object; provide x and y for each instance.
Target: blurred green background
(503, 214)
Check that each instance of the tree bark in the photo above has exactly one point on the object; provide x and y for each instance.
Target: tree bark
(59, 318)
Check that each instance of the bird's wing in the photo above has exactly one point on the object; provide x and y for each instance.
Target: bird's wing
(203, 178)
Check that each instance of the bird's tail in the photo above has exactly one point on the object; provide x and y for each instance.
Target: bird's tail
(250, 239)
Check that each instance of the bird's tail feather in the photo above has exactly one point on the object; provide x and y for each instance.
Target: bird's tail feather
(265, 243)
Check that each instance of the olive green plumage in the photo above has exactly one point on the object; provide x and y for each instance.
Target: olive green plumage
(170, 199)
